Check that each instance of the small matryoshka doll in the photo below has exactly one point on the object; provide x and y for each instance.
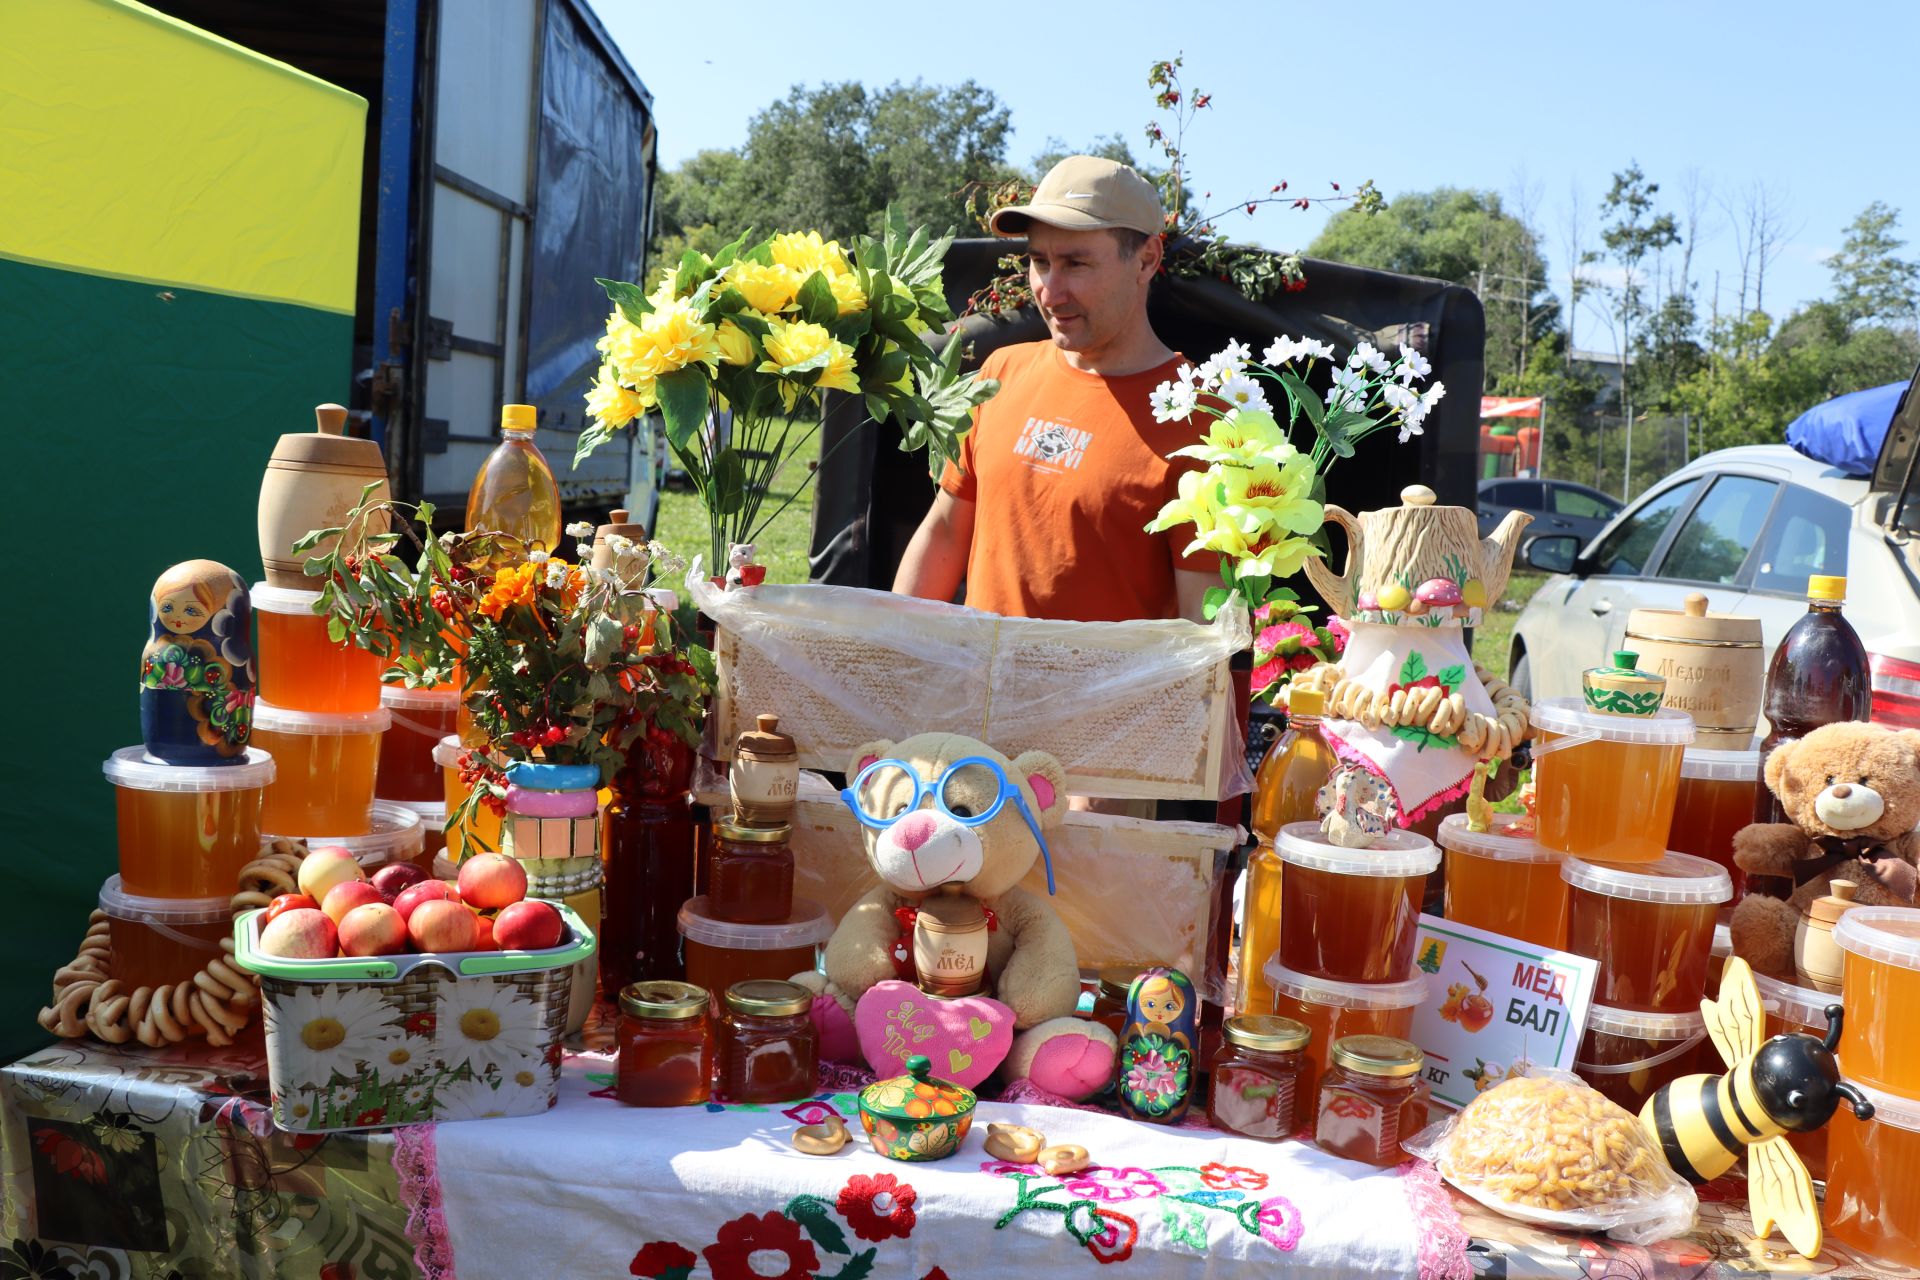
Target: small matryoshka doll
(196, 673)
(1157, 1062)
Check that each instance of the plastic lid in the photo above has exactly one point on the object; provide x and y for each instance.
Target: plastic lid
(1117, 980)
(1722, 941)
(1386, 1056)
(319, 724)
(1721, 766)
(1308, 989)
(446, 752)
(663, 1000)
(398, 835)
(1496, 844)
(1645, 1026)
(1901, 1113)
(1401, 853)
(1802, 1006)
(1677, 879)
(1823, 586)
(268, 598)
(122, 905)
(766, 998)
(398, 695)
(1569, 716)
(1266, 1033)
(1890, 935)
(134, 769)
(808, 926)
(518, 417)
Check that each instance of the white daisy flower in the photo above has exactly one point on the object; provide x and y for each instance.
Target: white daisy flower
(619, 542)
(556, 574)
(1399, 397)
(1313, 348)
(536, 556)
(583, 551)
(1174, 401)
(1186, 373)
(335, 1029)
(1243, 392)
(1349, 390)
(1282, 350)
(1369, 355)
(1410, 427)
(480, 1099)
(487, 1025)
(1431, 397)
(1412, 364)
(580, 529)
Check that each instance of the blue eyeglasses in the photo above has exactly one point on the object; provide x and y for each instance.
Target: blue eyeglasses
(875, 788)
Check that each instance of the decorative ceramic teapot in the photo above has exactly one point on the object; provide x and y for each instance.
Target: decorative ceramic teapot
(1418, 564)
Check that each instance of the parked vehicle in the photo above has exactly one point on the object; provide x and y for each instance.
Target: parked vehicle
(1746, 527)
(1557, 507)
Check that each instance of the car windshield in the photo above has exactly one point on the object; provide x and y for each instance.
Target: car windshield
(1626, 550)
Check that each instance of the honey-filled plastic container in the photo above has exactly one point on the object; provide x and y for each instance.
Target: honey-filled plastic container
(1793, 1010)
(1714, 801)
(1627, 1056)
(1504, 883)
(1351, 914)
(480, 831)
(325, 767)
(421, 718)
(162, 940)
(185, 831)
(1607, 795)
(1335, 1010)
(300, 668)
(1717, 958)
(1650, 926)
(1873, 1178)
(1880, 987)
(433, 827)
(718, 954)
(396, 834)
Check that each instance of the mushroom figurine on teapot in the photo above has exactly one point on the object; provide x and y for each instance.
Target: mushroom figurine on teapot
(1406, 702)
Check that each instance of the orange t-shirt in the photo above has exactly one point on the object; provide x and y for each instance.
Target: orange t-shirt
(1065, 468)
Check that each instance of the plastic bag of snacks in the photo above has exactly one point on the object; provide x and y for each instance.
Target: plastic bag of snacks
(1547, 1148)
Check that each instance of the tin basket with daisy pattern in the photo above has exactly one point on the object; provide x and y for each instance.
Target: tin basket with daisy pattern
(378, 1041)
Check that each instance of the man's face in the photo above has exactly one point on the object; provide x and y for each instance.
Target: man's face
(1090, 294)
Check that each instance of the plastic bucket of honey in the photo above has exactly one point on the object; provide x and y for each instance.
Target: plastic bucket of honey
(1717, 958)
(1795, 1010)
(481, 830)
(1335, 1010)
(718, 953)
(300, 668)
(1873, 1178)
(421, 718)
(433, 828)
(1605, 784)
(1650, 926)
(1504, 883)
(1880, 987)
(162, 940)
(325, 767)
(1351, 914)
(1714, 801)
(1628, 1055)
(185, 831)
(396, 836)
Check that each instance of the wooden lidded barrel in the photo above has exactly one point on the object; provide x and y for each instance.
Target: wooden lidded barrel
(313, 480)
(1715, 666)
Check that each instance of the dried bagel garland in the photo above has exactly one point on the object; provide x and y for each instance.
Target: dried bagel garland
(1432, 708)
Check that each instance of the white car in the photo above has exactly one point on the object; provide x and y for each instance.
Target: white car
(1747, 527)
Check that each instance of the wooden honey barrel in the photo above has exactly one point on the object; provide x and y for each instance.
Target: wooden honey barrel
(1714, 664)
(313, 480)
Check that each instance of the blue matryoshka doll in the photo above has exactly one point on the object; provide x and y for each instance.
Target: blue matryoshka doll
(1159, 1046)
(196, 673)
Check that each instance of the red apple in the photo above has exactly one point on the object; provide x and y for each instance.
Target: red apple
(531, 925)
(443, 925)
(372, 929)
(347, 895)
(394, 877)
(426, 891)
(483, 940)
(301, 934)
(490, 880)
(326, 867)
(287, 902)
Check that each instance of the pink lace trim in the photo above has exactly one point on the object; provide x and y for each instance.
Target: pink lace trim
(1433, 802)
(418, 1168)
(1442, 1238)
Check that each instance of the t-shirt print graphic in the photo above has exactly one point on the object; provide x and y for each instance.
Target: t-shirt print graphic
(1052, 446)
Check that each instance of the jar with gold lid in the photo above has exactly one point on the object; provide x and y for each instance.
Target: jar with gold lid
(1260, 1077)
(1372, 1099)
(770, 1051)
(1110, 1000)
(665, 1045)
(750, 874)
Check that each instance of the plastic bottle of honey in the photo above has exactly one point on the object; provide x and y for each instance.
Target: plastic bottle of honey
(1819, 675)
(515, 492)
(1295, 769)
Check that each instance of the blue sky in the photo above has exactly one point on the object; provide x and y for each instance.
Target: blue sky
(1814, 100)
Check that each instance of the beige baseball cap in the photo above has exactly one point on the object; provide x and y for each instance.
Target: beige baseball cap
(1087, 193)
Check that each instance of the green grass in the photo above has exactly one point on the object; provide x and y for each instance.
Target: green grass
(782, 547)
(1491, 637)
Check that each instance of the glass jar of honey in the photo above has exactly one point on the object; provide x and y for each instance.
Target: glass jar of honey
(1873, 1178)
(421, 718)
(1336, 1010)
(1795, 1010)
(1714, 801)
(1258, 1089)
(185, 831)
(1110, 1001)
(750, 874)
(718, 953)
(1650, 926)
(1503, 883)
(1606, 795)
(157, 941)
(481, 830)
(1627, 1056)
(770, 1051)
(1880, 987)
(1371, 1099)
(1351, 914)
(665, 1045)
(325, 767)
(300, 668)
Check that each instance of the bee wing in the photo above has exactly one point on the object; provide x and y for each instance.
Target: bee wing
(1736, 1020)
(1779, 1193)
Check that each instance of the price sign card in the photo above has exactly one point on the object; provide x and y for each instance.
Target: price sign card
(1494, 1007)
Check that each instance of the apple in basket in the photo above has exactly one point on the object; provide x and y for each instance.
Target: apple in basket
(426, 891)
(531, 925)
(490, 880)
(284, 903)
(443, 925)
(326, 867)
(372, 929)
(394, 877)
(301, 934)
(347, 895)
(483, 938)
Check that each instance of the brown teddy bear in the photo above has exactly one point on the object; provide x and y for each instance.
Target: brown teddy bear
(1853, 793)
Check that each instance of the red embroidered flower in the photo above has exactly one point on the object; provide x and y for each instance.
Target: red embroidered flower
(1116, 1239)
(878, 1207)
(657, 1257)
(1097, 1182)
(1232, 1177)
(731, 1255)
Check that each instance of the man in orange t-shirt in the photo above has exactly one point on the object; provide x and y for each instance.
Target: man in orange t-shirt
(1045, 517)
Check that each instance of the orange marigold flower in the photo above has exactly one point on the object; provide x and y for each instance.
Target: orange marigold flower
(513, 585)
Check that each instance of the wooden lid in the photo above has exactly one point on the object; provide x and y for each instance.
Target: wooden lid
(766, 742)
(619, 524)
(328, 444)
(1693, 623)
(1838, 902)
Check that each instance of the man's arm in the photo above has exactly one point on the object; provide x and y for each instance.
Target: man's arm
(936, 559)
(1191, 589)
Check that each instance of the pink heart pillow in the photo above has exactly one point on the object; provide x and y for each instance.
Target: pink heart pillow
(964, 1039)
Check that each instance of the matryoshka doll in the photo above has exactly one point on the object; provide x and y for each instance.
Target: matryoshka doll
(196, 673)
(1157, 1051)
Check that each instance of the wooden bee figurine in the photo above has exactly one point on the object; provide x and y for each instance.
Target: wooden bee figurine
(1157, 1052)
(1791, 1083)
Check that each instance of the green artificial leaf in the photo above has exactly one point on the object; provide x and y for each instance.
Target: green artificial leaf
(694, 266)
(1421, 737)
(814, 1214)
(1454, 676)
(817, 303)
(591, 437)
(1211, 602)
(337, 629)
(729, 489)
(1302, 397)
(725, 258)
(683, 403)
(604, 634)
(1414, 668)
(630, 298)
